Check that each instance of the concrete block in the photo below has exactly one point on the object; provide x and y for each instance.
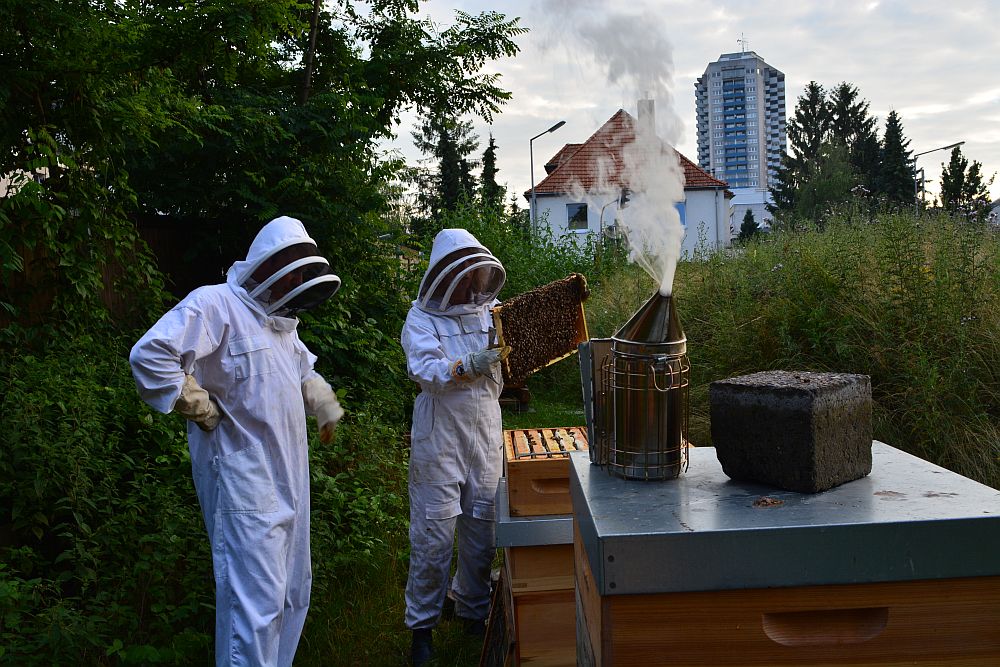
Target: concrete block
(798, 431)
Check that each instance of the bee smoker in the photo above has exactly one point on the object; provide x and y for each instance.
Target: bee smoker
(635, 387)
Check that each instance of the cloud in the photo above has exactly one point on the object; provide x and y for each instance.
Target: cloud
(985, 97)
(913, 113)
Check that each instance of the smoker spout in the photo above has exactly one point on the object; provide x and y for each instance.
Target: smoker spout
(655, 327)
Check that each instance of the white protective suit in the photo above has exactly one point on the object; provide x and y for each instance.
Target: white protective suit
(251, 472)
(457, 439)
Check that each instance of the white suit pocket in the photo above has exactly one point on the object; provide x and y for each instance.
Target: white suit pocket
(245, 482)
(445, 510)
(250, 356)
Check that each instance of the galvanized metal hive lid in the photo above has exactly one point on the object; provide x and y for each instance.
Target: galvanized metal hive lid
(907, 520)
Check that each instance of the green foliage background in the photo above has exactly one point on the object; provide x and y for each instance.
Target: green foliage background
(197, 117)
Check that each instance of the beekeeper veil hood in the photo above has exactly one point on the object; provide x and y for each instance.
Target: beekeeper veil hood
(283, 271)
(462, 275)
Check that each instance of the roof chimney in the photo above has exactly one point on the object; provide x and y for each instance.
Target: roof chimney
(647, 119)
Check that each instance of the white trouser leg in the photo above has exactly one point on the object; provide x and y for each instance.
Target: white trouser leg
(433, 512)
(476, 547)
(297, 591)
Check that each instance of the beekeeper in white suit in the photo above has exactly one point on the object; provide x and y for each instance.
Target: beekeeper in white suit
(456, 436)
(228, 358)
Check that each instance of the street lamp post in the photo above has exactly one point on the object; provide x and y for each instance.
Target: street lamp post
(531, 155)
(916, 183)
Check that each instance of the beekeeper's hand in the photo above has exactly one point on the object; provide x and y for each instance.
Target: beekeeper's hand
(195, 404)
(481, 362)
(321, 401)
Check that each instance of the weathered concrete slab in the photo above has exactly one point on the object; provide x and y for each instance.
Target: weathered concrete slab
(798, 431)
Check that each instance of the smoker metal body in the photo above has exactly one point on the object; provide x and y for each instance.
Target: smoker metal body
(635, 388)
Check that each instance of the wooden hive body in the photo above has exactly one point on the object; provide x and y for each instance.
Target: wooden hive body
(537, 469)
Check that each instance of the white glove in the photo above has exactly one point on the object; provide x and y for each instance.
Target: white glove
(322, 402)
(195, 404)
(479, 363)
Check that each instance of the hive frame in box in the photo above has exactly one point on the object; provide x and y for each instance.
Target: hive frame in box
(536, 468)
(582, 335)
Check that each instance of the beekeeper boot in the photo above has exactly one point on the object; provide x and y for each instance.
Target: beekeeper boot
(422, 647)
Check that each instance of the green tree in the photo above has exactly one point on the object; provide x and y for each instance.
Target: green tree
(811, 124)
(896, 177)
(807, 130)
(445, 179)
(749, 228)
(491, 194)
(963, 189)
(193, 114)
(828, 184)
(853, 126)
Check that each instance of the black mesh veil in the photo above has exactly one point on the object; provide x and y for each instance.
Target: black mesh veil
(295, 279)
(465, 276)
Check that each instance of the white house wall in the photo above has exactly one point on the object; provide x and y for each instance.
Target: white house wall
(707, 208)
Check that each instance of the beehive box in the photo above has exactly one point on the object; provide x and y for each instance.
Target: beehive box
(541, 326)
(538, 566)
(896, 568)
(499, 645)
(543, 600)
(546, 628)
(954, 622)
(537, 469)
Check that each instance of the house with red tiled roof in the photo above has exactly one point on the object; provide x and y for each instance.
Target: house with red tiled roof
(580, 192)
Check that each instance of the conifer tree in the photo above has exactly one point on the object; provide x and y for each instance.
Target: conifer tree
(448, 142)
(807, 130)
(749, 228)
(491, 194)
(896, 176)
(963, 190)
(830, 182)
(853, 126)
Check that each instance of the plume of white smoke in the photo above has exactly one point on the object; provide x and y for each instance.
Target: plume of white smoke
(636, 55)
(652, 222)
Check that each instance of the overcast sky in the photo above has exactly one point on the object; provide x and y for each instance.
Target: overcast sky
(936, 63)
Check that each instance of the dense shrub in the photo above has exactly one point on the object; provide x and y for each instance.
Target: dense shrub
(103, 547)
(103, 553)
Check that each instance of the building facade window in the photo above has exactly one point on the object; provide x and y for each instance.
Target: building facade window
(576, 217)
